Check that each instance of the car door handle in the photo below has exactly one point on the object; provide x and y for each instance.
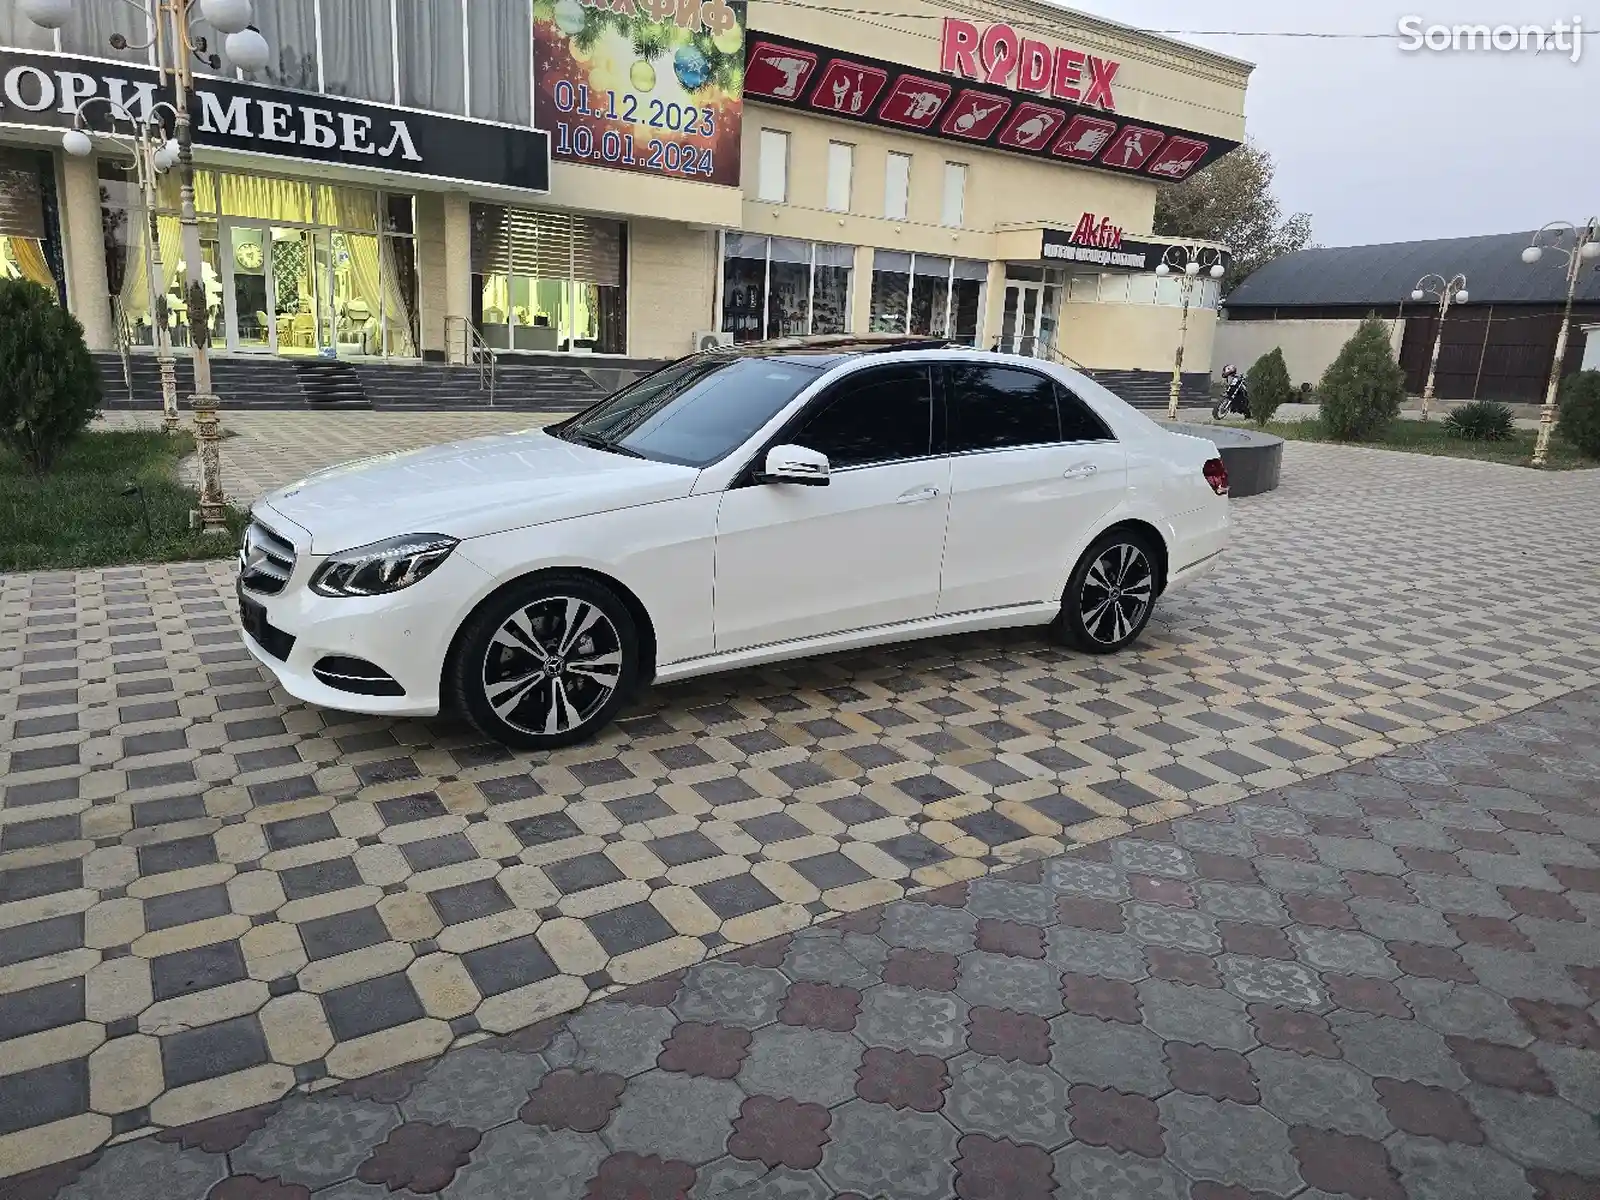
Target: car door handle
(1081, 471)
(917, 496)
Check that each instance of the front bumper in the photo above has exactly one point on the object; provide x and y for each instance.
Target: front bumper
(406, 633)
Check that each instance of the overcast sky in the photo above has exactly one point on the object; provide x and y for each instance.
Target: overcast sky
(1381, 145)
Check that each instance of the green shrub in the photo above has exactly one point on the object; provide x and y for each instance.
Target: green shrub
(1269, 385)
(49, 387)
(1580, 412)
(1362, 391)
(1480, 421)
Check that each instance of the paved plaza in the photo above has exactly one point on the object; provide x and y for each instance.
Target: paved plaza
(212, 897)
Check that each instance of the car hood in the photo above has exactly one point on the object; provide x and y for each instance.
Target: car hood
(470, 488)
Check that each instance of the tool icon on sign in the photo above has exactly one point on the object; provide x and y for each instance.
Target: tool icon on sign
(848, 88)
(914, 101)
(1085, 137)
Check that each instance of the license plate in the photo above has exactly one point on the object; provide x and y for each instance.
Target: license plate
(252, 616)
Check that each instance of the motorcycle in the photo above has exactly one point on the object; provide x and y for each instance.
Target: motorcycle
(1236, 399)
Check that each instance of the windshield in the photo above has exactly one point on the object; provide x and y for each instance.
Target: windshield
(693, 412)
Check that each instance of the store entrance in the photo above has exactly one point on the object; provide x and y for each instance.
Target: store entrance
(1028, 321)
(277, 289)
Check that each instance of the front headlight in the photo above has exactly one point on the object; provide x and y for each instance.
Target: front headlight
(382, 567)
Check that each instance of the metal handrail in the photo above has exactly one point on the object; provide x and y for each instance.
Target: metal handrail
(121, 331)
(475, 352)
(1052, 352)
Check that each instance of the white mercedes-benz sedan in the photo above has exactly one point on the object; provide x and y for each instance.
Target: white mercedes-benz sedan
(731, 509)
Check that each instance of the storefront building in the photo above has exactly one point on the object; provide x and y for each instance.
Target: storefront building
(630, 179)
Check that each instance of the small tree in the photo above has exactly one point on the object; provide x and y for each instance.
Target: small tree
(1362, 391)
(49, 387)
(1269, 385)
(1580, 412)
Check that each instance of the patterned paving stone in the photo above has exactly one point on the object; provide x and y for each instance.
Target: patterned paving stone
(401, 869)
(1229, 1143)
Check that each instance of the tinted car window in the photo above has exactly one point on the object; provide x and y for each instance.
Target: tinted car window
(883, 414)
(693, 412)
(1079, 422)
(995, 407)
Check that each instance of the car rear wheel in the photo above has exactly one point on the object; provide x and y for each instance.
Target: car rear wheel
(1111, 594)
(547, 663)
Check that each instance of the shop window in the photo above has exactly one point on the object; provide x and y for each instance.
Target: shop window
(1142, 289)
(432, 55)
(928, 295)
(549, 281)
(358, 49)
(1114, 289)
(772, 168)
(953, 209)
(841, 169)
(1169, 291)
(290, 27)
(780, 287)
(897, 186)
(498, 41)
(891, 291)
(1084, 289)
(93, 23)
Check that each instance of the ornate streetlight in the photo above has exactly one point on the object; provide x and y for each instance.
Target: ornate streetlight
(1446, 292)
(153, 154)
(1584, 248)
(175, 45)
(1190, 260)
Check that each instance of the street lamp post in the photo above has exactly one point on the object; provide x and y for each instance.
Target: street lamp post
(175, 45)
(153, 154)
(1189, 260)
(1585, 248)
(1446, 292)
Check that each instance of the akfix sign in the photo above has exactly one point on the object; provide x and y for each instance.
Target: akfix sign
(47, 90)
(1000, 55)
(1096, 242)
(1104, 236)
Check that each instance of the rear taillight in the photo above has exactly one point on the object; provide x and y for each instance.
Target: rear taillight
(1217, 476)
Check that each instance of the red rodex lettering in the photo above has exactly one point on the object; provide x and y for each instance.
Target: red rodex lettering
(1101, 73)
(1068, 74)
(958, 49)
(1033, 73)
(1000, 46)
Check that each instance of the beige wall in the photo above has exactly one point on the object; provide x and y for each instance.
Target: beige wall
(1309, 347)
(1135, 337)
(432, 281)
(672, 272)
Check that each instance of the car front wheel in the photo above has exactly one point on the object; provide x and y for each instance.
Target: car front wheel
(1111, 594)
(547, 663)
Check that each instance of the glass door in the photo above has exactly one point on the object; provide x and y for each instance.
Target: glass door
(1019, 322)
(247, 290)
(300, 273)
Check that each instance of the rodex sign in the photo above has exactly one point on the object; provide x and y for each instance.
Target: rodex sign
(1000, 55)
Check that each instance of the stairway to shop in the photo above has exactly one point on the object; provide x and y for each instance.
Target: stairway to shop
(1153, 389)
(270, 382)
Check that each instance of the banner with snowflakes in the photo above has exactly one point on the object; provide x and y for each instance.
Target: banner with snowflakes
(642, 85)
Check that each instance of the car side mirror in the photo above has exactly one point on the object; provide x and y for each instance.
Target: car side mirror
(795, 464)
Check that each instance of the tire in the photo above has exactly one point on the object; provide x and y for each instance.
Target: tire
(1111, 594)
(522, 677)
(1219, 410)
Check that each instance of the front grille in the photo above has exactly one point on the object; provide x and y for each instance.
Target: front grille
(357, 676)
(266, 560)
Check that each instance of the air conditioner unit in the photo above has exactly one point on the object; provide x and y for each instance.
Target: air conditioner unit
(707, 339)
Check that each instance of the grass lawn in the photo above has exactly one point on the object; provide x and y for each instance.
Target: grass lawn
(1429, 437)
(77, 516)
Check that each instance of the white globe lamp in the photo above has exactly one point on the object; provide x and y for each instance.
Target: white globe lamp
(1417, 295)
(1462, 296)
(76, 143)
(1532, 255)
(1217, 271)
(1192, 270)
(49, 14)
(1163, 270)
(226, 16)
(247, 50)
(1590, 251)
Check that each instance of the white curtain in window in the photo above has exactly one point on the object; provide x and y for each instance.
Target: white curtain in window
(432, 56)
(358, 48)
(290, 27)
(498, 40)
(89, 29)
